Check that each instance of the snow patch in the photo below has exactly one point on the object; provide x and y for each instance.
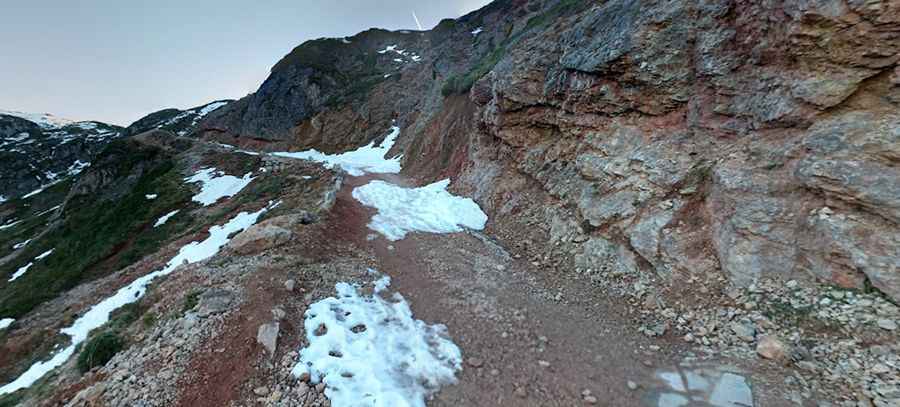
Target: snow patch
(33, 193)
(18, 246)
(368, 159)
(2, 199)
(44, 255)
(373, 352)
(151, 197)
(24, 269)
(477, 31)
(217, 185)
(21, 272)
(98, 315)
(10, 224)
(165, 218)
(6, 322)
(426, 209)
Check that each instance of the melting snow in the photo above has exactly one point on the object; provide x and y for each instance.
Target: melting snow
(209, 109)
(2, 199)
(165, 218)
(368, 159)
(18, 246)
(10, 224)
(22, 270)
(44, 255)
(6, 322)
(77, 167)
(427, 209)
(217, 185)
(477, 31)
(374, 353)
(151, 197)
(98, 315)
(33, 193)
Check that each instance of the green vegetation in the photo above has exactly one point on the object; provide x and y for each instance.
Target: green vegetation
(98, 235)
(99, 350)
(190, 301)
(459, 84)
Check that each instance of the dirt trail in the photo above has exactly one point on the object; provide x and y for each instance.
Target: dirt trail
(521, 347)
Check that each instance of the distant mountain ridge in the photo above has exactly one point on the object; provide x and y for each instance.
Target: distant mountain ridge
(40, 149)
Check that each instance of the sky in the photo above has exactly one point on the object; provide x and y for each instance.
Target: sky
(116, 61)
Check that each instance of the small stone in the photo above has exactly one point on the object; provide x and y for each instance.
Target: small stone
(475, 362)
(887, 324)
(773, 348)
(632, 385)
(302, 389)
(267, 336)
(261, 391)
(544, 363)
(289, 285)
(520, 392)
(744, 330)
(495, 372)
(304, 377)
(590, 400)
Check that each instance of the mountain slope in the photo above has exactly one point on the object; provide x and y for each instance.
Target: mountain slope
(686, 203)
(180, 122)
(38, 154)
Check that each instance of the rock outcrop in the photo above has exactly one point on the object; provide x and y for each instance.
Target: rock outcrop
(675, 139)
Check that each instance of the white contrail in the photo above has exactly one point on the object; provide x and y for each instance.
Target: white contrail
(417, 21)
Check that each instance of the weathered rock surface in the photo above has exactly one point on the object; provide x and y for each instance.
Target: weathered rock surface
(686, 139)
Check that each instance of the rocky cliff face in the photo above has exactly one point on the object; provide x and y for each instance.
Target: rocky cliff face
(35, 155)
(663, 140)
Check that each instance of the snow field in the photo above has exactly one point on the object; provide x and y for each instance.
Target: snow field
(216, 185)
(370, 351)
(427, 209)
(367, 159)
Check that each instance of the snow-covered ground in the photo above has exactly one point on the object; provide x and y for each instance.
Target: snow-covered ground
(6, 322)
(368, 159)
(99, 314)
(217, 185)
(18, 246)
(24, 269)
(477, 31)
(151, 197)
(165, 218)
(427, 209)
(10, 224)
(45, 120)
(372, 352)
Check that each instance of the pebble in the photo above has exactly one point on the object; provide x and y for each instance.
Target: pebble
(289, 285)
(475, 362)
(320, 387)
(302, 389)
(261, 391)
(544, 363)
(590, 400)
(887, 324)
(520, 392)
(632, 385)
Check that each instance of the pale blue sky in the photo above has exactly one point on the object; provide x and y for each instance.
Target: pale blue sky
(115, 60)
